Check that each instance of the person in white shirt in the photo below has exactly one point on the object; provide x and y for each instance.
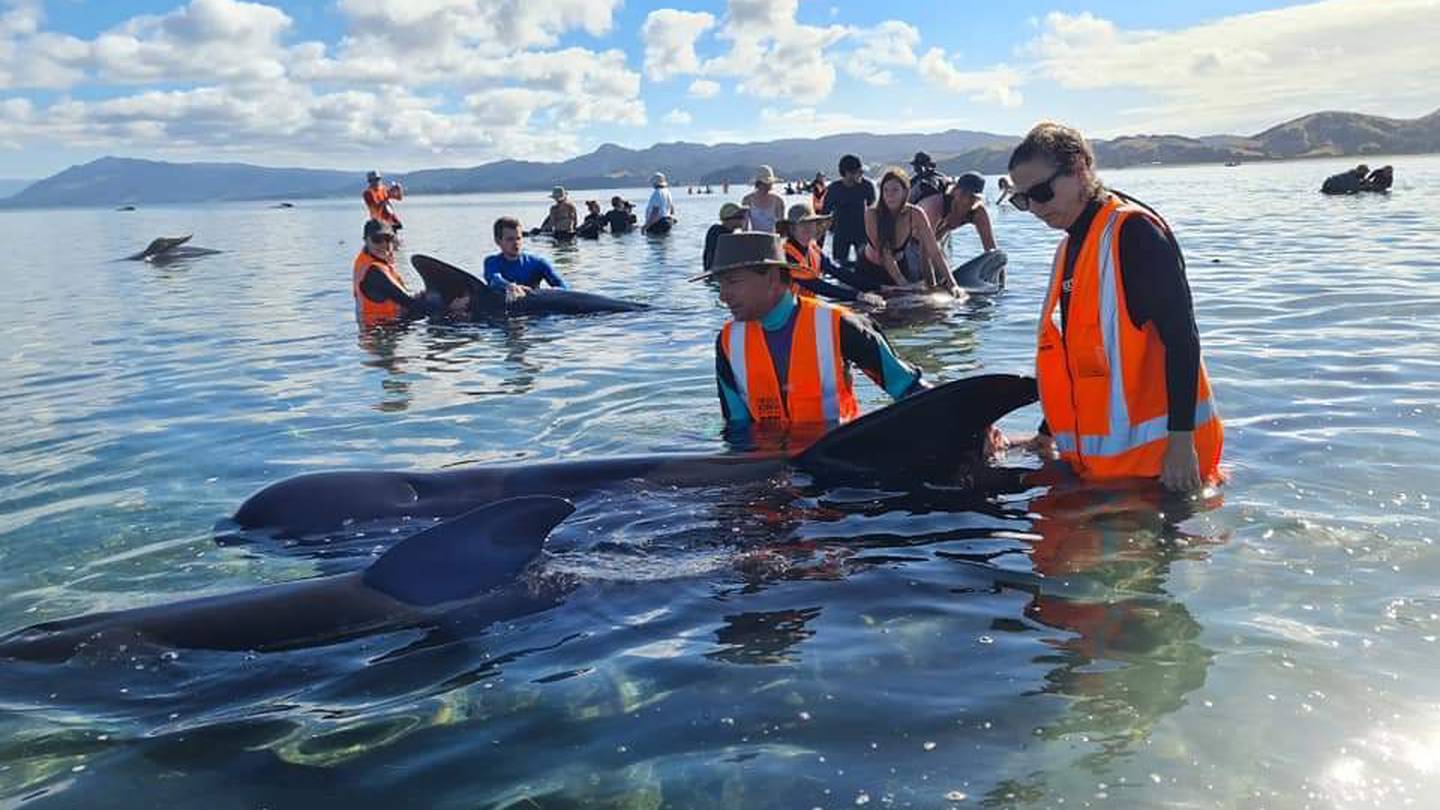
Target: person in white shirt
(660, 205)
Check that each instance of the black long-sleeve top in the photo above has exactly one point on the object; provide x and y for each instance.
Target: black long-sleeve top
(1156, 291)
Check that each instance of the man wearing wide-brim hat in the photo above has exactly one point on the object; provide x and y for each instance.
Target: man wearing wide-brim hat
(563, 217)
(809, 265)
(784, 362)
(732, 219)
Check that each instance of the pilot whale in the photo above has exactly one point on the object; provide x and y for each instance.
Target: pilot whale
(469, 565)
(170, 248)
(446, 282)
(932, 438)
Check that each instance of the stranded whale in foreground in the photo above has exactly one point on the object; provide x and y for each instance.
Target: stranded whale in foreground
(170, 248)
(932, 437)
(468, 566)
(448, 282)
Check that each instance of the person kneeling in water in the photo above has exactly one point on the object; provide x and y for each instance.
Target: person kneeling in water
(594, 221)
(809, 264)
(967, 207)
(776, 336)
(901, 249)
(513, 271)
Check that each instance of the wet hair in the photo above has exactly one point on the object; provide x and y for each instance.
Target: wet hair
(504, 224)
(1061, 146)
(884, 217)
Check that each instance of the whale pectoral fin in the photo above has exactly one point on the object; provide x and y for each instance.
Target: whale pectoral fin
(470, 554)
(922, 436)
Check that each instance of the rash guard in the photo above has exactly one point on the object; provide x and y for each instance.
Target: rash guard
(527, 270)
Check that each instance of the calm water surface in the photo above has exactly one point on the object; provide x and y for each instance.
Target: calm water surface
(1079, 646)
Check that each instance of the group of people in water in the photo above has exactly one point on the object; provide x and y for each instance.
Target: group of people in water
(1122, 385)
(1361, 178)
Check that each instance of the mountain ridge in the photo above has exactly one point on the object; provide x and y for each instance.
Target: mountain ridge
(111, 181)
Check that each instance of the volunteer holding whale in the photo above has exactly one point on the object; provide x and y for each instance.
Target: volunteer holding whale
(1122, 385)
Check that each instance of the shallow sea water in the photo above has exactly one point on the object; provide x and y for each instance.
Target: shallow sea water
(1076, 646)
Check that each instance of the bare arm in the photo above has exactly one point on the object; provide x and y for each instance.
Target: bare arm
(887, 259)
(981, 218)
(939, 269)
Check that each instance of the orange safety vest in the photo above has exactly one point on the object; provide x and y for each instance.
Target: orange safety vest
(367, 311)
(375, 199)
(818, 388)
(1102, 382)
(805, 263)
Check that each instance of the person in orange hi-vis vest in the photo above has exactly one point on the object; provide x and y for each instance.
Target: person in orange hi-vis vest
(809, 265)
(377, 197)
(381, 295)
(783, 363)
(1122, 385)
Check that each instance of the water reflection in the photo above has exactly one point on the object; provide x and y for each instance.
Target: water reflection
(763, 637)
(380, 341)
(1128, 654)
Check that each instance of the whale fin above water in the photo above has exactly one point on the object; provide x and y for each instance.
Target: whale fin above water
(467, 555)
(924, 436)
(159, 246)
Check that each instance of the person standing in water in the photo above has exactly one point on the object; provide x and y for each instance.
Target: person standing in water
(967, 207)
(562, 219)
(732, 219)
(660, 205)
(783, 363)
(1123, 388)
(765, 207)
(846, 201)
(512, 270)
(377, 197)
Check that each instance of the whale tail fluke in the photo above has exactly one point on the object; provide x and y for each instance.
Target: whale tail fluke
(467, 555)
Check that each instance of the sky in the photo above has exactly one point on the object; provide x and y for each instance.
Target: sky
(407, 84)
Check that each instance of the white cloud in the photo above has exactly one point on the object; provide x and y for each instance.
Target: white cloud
(678, 117)
(994, 85)
(478, 80)
(890, 44)
(1249, 70)
(704, 88)
(669, 36)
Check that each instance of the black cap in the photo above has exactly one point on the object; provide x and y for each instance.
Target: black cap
(972, 182)
(922, 159)
(850, 163)
(371, 177)
(374, 228)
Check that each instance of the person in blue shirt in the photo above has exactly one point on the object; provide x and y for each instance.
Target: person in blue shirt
(513, 271)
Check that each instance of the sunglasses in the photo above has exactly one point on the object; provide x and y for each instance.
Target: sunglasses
(1042, 192)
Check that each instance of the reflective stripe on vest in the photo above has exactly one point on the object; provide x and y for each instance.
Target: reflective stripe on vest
(1069, 367)
(818, 377)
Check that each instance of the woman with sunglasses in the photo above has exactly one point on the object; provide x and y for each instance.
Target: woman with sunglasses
(901, 250)
(380, 292)
(1123, 388)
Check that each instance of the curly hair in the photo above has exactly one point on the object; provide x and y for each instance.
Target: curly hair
(1061, 146)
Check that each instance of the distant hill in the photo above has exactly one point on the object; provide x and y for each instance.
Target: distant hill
(9, 186)
(1325, 134)
(124, 181)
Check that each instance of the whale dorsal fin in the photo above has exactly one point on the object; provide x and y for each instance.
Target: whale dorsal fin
(449, 281)
(470, 554)
(924, 436)
(161, 245)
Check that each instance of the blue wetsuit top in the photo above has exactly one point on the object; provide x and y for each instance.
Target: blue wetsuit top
(527, 271)
(861, 344)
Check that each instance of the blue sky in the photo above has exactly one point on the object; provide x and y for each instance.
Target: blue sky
(406, 84)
